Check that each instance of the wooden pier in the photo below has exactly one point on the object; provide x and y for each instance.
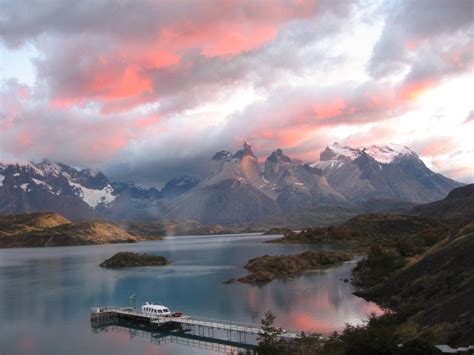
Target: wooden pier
(199, 326)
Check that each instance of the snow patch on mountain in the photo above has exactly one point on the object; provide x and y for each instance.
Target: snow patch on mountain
(2, 177)
(327, 164)
(4, 164)
(94, 197)
(50, 168)
(346, 152)
(48, 186)
(386, 154)
(38, 182)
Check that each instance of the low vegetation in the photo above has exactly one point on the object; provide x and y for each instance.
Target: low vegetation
(266, 268)
(51, 229)
(408, 235)
(279, 231)
(22, 223)
(436, 288)
(154, 229)
(129, 259)
(377, 266)
(388, 334)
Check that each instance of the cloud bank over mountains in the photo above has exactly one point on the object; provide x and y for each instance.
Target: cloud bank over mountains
(151, 89)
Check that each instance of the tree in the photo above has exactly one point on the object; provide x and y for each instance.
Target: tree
(269, 339)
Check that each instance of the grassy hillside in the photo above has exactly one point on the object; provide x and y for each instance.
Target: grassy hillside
(437, 287)
(21, 223)
(458, 206)
(51, 229)
(408, 234)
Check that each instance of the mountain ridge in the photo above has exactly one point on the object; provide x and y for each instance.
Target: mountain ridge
(344, 177)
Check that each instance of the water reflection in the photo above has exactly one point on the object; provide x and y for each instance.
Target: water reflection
(193, 337)
(46, 294)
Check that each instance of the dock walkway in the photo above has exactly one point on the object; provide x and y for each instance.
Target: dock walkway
(200, 325)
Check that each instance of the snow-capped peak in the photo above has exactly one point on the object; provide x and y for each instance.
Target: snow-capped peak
(337, 151)
(89, 185)
(20, 164)
(49, 167)
(383, 154)
(91, 172)
(386, 154)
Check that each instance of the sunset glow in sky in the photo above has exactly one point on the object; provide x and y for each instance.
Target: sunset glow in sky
(147, 90)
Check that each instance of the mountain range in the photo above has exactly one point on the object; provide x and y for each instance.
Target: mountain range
(237, 189)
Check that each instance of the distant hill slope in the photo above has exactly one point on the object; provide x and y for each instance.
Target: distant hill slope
(321, 215)
(21, 223)
(162, 228)
(459, 205)
(226, 202)
(389, 229)
(50, 229)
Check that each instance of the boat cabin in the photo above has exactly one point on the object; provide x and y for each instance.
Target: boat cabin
(155, 309)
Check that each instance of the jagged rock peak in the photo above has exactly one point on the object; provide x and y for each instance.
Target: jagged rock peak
(246, 150)
(222, 155)
(228, 156)
(278, 156)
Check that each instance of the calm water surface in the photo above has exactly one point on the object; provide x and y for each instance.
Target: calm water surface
(46, 294)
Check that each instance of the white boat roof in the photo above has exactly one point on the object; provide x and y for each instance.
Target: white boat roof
(154, 306)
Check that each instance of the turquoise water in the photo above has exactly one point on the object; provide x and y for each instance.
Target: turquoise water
(46, 294)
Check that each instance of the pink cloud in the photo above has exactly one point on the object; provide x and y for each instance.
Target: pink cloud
(119, 76)
(147, 121)
(439, 146)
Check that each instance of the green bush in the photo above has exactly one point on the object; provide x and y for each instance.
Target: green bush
(377, 266)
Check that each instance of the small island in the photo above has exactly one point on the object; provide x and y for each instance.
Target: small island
(264, 269)
(129, 259)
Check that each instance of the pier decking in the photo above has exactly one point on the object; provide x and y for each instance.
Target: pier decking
(201, 326)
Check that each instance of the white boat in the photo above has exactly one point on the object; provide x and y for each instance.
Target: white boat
(151, 309)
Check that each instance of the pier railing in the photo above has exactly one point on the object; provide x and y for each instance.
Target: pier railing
(194, 321)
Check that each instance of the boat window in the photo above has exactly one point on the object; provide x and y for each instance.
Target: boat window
(160, 311)
(166, 310)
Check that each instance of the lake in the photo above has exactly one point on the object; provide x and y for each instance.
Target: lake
(46, 294)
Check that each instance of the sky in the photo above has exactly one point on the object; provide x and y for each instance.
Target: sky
(148, 90)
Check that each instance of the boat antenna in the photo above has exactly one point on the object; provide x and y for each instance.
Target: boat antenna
(132, 301)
